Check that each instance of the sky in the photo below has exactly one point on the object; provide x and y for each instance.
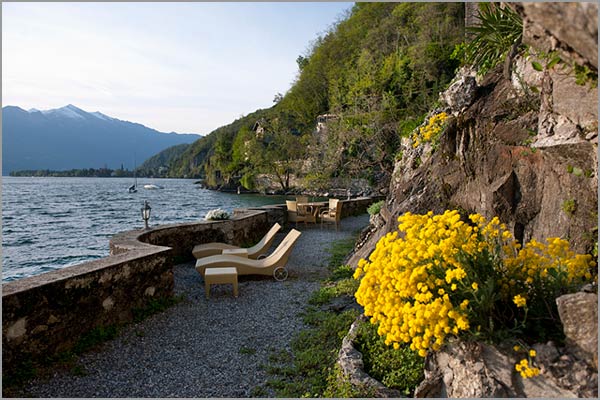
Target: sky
(185, 67)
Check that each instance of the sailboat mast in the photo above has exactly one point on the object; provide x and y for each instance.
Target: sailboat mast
(133, 188)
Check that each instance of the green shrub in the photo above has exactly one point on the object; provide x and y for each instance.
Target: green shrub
(400, 369)
(338, 386)
(583, 75)
(247, 350)
(408, 125)
(95, 337)
(247, 181)
(326, 293)
(375, 207)
(155, 306)
(17, 376)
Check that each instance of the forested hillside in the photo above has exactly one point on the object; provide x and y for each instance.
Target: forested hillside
(374, 75)
(158, 165)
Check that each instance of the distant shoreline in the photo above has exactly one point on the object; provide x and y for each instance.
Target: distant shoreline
(84, 173)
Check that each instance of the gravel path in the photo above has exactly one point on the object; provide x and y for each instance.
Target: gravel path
(200, 347)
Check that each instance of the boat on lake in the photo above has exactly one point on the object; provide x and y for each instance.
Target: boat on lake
(133, 188)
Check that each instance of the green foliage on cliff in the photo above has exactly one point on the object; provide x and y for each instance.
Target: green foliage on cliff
(378, 71)
(499, 30)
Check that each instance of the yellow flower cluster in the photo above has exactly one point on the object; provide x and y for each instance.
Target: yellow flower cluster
(525, 367)
(431, 131)
(520, 301)
(526, 370)
(430, 279)
(551, 263)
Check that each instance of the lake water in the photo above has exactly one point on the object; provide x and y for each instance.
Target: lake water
(51, 223)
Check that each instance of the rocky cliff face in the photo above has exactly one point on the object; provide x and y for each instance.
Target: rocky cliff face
(524, 148)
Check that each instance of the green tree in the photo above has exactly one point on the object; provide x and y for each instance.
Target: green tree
(278, 152)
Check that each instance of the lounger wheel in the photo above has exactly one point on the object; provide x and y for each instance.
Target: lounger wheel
(280, 274)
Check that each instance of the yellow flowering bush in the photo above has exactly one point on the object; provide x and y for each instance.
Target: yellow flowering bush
(440, 276)
(431, 131)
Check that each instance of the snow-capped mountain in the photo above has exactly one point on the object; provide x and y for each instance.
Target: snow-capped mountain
(70, 111)
(69, 137)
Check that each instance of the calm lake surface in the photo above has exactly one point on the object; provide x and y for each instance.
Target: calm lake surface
(52, 223)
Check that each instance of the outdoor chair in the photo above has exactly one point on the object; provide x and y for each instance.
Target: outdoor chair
(254, 252)
(302, 199)
(332, 214)
(308, 211)
(296, 214)
(274, 264)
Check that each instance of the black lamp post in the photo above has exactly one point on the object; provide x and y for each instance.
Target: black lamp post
(146, 213)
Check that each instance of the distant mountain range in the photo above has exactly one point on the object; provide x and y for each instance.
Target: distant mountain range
(69, 138)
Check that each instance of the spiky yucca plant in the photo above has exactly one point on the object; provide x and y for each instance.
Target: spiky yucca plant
(500, 29)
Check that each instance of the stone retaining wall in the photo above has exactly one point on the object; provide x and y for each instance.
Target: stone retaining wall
(358, 205)
(47, 314)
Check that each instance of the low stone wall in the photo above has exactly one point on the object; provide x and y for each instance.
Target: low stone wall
(49, 313)
(358, 205)
(245, 228)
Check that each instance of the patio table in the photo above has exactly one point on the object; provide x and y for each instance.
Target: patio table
(312, 208)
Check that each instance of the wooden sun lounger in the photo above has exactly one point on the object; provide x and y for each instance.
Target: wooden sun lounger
(216, 248)
(274, 264)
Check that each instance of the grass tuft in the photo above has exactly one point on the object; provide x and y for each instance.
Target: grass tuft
(155, 306)
(338, 251)
(247, 350)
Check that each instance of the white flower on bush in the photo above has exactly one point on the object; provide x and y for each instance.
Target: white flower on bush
(216, 214)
